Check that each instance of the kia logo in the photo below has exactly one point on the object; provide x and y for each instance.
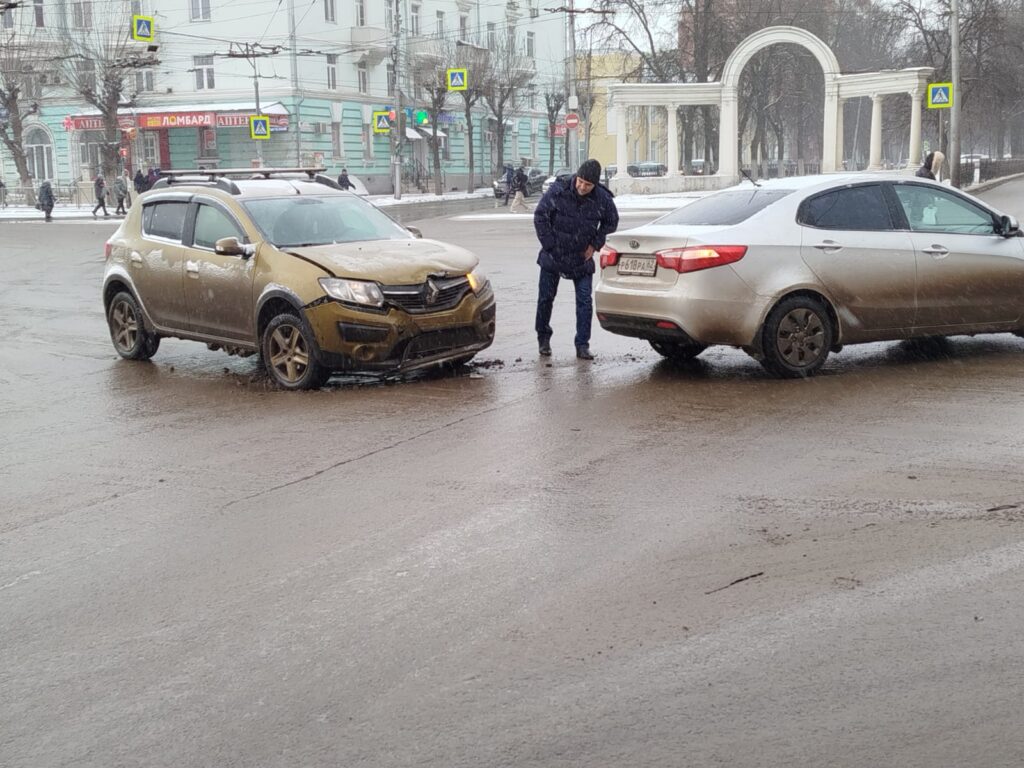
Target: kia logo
(634, 244)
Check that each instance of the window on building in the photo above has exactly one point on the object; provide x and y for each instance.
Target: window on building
(143, 80)
(533, 145)
(392, 80)
(199, 10)
(139, 8)
(531, 45)
(332, 71)
(203, 67)
(31, 86)
(151, 149)
(531, 97)
(86, 74)
(414, 20)
(81, 13)
(389, 15)
(360, 13)
(440, 23)
(208, 142)
(39, 153)
(534, 11)
(364, 78)
(367, 141)
(463, 27)
(38, 6)
(8, 19)
(336, 148)
(89, 158)
(492, 36)
(446, 148)
(330, 11)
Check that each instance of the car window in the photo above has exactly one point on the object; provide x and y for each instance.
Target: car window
(165, 219)
(305, 220)
(213, 224)
(933, 210)
(725, 208)
(851, 208)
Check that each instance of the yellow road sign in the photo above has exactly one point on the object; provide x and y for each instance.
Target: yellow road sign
(259, 127)
(940, 96)
(381, 122)
(143, 28)
(458, 79)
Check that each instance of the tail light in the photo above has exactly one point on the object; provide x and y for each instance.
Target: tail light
(107, 250)
(699, 257)
(609, 257)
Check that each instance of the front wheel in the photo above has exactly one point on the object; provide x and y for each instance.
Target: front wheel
(127, 330)
(677, 351)
(797, 337)
(289, 354)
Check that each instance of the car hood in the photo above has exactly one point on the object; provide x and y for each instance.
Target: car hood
(391, 262)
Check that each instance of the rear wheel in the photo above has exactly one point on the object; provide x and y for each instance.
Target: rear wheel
(675, 350)
(290, 354)
(127, 330)
(797, 337)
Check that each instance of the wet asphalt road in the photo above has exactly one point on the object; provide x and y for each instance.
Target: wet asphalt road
(526, 566)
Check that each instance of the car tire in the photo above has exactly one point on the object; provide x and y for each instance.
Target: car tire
(677, 351)
(128, 330)
(796, 337)
(290, 353)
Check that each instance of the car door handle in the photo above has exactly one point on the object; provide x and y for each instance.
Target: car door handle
(192, 267)
(829, 246)
(936, 251)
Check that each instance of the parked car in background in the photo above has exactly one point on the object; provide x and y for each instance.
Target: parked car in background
(698, 167)
(561, 173)
(313, 279)
(534, 182)
(609, 172)
(647, 169)
(795, 268)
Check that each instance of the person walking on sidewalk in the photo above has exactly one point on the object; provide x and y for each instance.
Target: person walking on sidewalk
(99, 187)
(344, 181)
(572, 221)
(519, 190)
(46, 200)
(120, 193)
(3, 194)
(139, 182)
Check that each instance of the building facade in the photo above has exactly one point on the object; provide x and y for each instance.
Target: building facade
(320, 71)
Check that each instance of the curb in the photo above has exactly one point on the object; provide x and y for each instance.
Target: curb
(985, 186)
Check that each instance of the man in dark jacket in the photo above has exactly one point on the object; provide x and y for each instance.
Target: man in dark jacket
(344, 181)
(99, 187)
(46, 200)
(139, 182)
(572, 221)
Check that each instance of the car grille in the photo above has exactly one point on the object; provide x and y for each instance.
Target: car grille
(435, 342)
(422, 299)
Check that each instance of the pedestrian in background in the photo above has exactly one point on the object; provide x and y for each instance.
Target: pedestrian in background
(519, 190)
(120, 193)
(509, 175)
(46, 200)
(344, 181)
(931, 168)
(572, 221)
(99, 188)
(139, 182)
(3, 194)
(151, 177)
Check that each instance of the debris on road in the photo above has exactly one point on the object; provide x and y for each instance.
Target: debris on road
(734, 583)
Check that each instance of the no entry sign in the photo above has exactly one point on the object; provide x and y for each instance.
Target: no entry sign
(572, 120)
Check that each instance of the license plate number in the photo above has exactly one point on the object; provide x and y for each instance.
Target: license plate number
(632, 265)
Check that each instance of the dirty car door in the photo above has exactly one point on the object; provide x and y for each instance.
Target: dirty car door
(156, 263)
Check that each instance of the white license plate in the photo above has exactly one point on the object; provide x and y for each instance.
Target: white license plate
(632, 265)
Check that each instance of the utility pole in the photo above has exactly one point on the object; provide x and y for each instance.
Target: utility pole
(252, 52)
(572, 135)
(397, 125)
(954, 116)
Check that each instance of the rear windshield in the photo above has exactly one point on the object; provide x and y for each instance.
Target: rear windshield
(725, 207)
(303, 220)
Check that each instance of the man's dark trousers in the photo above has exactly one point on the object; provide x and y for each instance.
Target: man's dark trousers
(584, 305)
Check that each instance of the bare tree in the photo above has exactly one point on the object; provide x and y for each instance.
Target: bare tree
(476, 61)
(510, 74)
(554, 100)
(430, 79)
(102, 57)
(22, 65)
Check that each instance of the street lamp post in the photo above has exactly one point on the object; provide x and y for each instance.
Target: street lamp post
(957, 94)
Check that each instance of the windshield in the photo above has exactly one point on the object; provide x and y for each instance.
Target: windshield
(292, 222)
(725, 208)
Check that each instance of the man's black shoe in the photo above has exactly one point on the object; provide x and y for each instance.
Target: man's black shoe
(545, 349)
(584, 353)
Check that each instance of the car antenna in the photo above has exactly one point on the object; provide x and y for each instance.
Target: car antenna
(748, 177)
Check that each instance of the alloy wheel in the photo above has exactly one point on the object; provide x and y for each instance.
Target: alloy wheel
(289, 354)
(124, 326)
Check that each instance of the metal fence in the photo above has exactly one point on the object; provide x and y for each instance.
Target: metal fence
(977, 171)
(72, 193)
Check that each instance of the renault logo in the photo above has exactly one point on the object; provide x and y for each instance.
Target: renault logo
(430, 292)
(634, 244)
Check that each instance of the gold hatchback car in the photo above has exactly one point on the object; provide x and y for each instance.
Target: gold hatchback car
(284, 264)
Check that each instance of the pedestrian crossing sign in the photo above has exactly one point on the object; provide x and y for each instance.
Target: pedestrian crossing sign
(143, 28)
(259, 127)
(381, 122)
(458, 79)
(940, 96)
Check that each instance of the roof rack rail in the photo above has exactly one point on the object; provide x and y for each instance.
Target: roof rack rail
(219, 177)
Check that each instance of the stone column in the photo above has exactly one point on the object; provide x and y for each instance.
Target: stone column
(728, 134)
(621, 128)
(840, 136)
(673, 141)
(829, 137)
(875, 156)
(915, 158)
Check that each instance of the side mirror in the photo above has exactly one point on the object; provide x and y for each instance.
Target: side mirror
(1010, 227)
(415, 232)
(229, 246)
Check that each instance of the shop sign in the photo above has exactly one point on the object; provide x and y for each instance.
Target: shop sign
(241, 120)
(176, 120)
(91, 123)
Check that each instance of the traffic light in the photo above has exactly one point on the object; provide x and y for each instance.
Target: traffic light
(422, 117)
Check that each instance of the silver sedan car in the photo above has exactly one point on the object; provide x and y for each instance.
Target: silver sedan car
(793, 269)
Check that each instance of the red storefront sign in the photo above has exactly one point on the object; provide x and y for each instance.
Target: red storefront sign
(176, 120)
(560, 129)
(94, 123)
(242, 121)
